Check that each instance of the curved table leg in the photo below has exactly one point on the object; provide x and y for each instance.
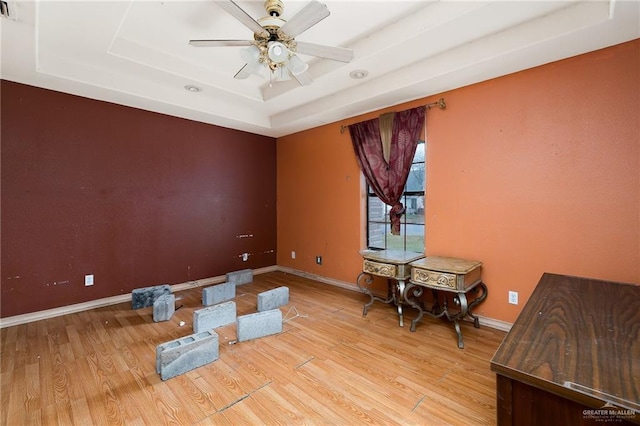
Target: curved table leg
(412, 292)
(400, 301)
(435, 308)
(459, 333)
(483, 286)
(369, 279)
(462, 300)
(417, 292)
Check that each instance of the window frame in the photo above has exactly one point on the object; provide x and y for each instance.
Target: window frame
(386, 221)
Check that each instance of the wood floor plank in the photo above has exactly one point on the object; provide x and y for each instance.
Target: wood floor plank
(80, 412)
(330, 365)
(98, 399)
(6, 387)
(335, 395)
(17, 395)
(246, 410)
(274, 399)
(34, 418)
(32, 388)
(320, 405)
(184, 390)
(215, 419)
(222, 386)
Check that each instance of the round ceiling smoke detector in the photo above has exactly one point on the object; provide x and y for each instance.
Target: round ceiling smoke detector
(358, 74)
(192, 88)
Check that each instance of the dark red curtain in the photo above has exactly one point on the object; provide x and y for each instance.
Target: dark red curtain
(387, 179)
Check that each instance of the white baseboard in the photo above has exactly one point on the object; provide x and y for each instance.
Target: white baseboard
(494, 323)
(332, 281)
(63, 310)
(113, 300)
(107, 301)
(484, 321)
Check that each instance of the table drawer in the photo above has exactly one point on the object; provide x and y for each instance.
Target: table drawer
(446, 280)
(434, 278)
(380, 269)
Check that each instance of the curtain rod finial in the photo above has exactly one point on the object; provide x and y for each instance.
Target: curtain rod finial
(440, 103)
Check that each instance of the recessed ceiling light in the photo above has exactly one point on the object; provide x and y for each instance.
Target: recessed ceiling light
(358, 74)
(192, 88)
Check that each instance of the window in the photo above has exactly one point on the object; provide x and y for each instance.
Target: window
(412, 230)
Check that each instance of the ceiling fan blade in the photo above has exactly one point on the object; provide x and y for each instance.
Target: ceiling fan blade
(328, 52)
(307, 17)
(237, 12)
(304, 78)
(244, 72)
(219, 43)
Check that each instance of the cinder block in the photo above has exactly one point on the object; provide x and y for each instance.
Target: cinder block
(164, 307)
(145, 296)
(273, 299)
(214, 316)
(186, 353)
(243, 276)
(259, 324)
(218, 294)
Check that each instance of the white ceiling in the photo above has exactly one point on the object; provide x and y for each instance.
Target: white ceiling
(136, 53)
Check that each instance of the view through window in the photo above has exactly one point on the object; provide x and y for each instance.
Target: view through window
(412, 230)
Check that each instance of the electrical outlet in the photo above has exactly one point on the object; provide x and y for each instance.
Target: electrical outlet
(293, 254)
(88, 280)
(513, 297)
(319, 260)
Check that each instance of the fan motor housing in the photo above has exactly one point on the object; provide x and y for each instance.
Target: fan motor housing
(274, 7)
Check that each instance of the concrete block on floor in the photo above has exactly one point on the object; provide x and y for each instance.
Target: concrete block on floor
(273, 299)
(259, 324)
(214, 316)
(186, 353)
(243, 276)
(164, 307)
(145, 296)
(218, 293)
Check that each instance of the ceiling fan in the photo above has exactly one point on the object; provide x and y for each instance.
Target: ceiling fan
(274, 45)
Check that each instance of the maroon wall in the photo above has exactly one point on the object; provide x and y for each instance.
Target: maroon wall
(134, 197)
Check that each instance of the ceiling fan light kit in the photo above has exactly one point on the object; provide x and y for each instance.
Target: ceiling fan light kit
(273, 46)
(296, 66)
(250, 54)
(277, 52)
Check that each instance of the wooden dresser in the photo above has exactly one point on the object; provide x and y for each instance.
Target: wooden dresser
(573, 356)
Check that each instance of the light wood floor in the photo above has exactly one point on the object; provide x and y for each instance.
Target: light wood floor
(330, 365)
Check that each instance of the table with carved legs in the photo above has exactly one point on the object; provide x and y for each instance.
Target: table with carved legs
(393, 265)
(448, 278)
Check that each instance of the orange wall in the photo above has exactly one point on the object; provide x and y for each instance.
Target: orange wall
(534, 172)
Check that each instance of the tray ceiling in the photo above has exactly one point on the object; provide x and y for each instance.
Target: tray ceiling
(136, 53)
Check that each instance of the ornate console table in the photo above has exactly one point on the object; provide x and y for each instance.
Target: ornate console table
(395, 266)
(447, 275)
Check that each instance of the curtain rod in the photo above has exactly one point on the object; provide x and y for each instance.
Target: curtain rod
(440, 103)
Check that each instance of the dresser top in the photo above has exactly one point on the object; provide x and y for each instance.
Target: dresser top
(446, 264)
(577, 337)
(397, 257)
